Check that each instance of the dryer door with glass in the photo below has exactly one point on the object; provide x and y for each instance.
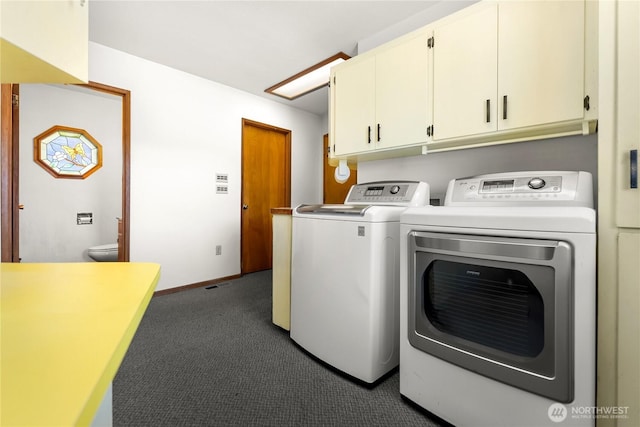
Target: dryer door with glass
(500, 307)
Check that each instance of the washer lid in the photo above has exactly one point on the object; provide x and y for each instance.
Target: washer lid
(355, 213)
(333, 209)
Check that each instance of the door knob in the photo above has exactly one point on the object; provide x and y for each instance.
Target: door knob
(21, 207)
(245, 207)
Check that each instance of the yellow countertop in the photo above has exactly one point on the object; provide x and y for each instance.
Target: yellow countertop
(65, 329)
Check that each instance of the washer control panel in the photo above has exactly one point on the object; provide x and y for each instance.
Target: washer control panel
(398, 193)
(524, 188)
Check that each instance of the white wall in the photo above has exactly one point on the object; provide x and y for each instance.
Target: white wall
(48, 223)
(184, 130)
(418, 20)
(567, 153)
(325, 123)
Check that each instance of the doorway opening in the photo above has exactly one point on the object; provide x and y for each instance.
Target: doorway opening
(9, 175)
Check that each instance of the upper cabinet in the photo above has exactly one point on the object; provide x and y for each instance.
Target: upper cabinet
(464, 72)
(495, 72)
(619, 212)
(353, 102)
(379, 100)
(628, 112)
(509, 65)
(44, 41)
(540, 63)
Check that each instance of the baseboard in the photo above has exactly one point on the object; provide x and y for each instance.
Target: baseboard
(195, 285)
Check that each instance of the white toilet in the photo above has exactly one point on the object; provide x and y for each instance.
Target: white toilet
(104, 253)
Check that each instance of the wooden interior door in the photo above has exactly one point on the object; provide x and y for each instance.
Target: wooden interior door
(266, 184)
(333, 192)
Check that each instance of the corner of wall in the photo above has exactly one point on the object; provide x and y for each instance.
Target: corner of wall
(439, 10)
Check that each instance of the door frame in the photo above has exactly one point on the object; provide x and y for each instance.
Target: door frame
(9, 140)
(287, 163)
(9, 175)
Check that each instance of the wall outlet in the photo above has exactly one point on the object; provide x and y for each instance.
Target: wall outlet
(218, 249)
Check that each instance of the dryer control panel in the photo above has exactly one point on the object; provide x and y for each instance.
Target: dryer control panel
(540, 188)
(395, 193)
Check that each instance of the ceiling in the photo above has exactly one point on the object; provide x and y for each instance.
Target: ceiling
(248, 45)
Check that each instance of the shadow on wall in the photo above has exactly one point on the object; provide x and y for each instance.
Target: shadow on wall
(567, 153)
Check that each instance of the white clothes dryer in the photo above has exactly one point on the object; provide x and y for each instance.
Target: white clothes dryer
(345, 277)
(498, 301)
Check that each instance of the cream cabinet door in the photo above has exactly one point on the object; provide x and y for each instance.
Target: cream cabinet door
(353, 93)
(628, 109)
(465, 74)
(628, 326)
(401, 94)
(509, 65)
(44, 41)
(628, 210)
(540, 62)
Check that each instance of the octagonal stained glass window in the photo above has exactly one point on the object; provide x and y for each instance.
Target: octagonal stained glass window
(67, 152)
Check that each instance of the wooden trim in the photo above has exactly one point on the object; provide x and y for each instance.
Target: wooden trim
(281, 211)
(15, 173)
(6, 182)
(302, 73)
(126, 174)
(107, 89)
(325, 166)
(264, 126)
(126, 160)
(37, 141)
(196, 285)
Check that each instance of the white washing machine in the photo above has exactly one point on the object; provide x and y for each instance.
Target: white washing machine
(498, 301)
(345, 277)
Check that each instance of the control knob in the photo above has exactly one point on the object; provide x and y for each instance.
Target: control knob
(536, 183)
(395, 189)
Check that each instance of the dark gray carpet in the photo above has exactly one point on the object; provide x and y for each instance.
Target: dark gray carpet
(213, 358)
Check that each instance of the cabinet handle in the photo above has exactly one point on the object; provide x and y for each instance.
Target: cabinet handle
(378, 132)
(488, 110)
(504, 107)
(633, 168)
(368, 134)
